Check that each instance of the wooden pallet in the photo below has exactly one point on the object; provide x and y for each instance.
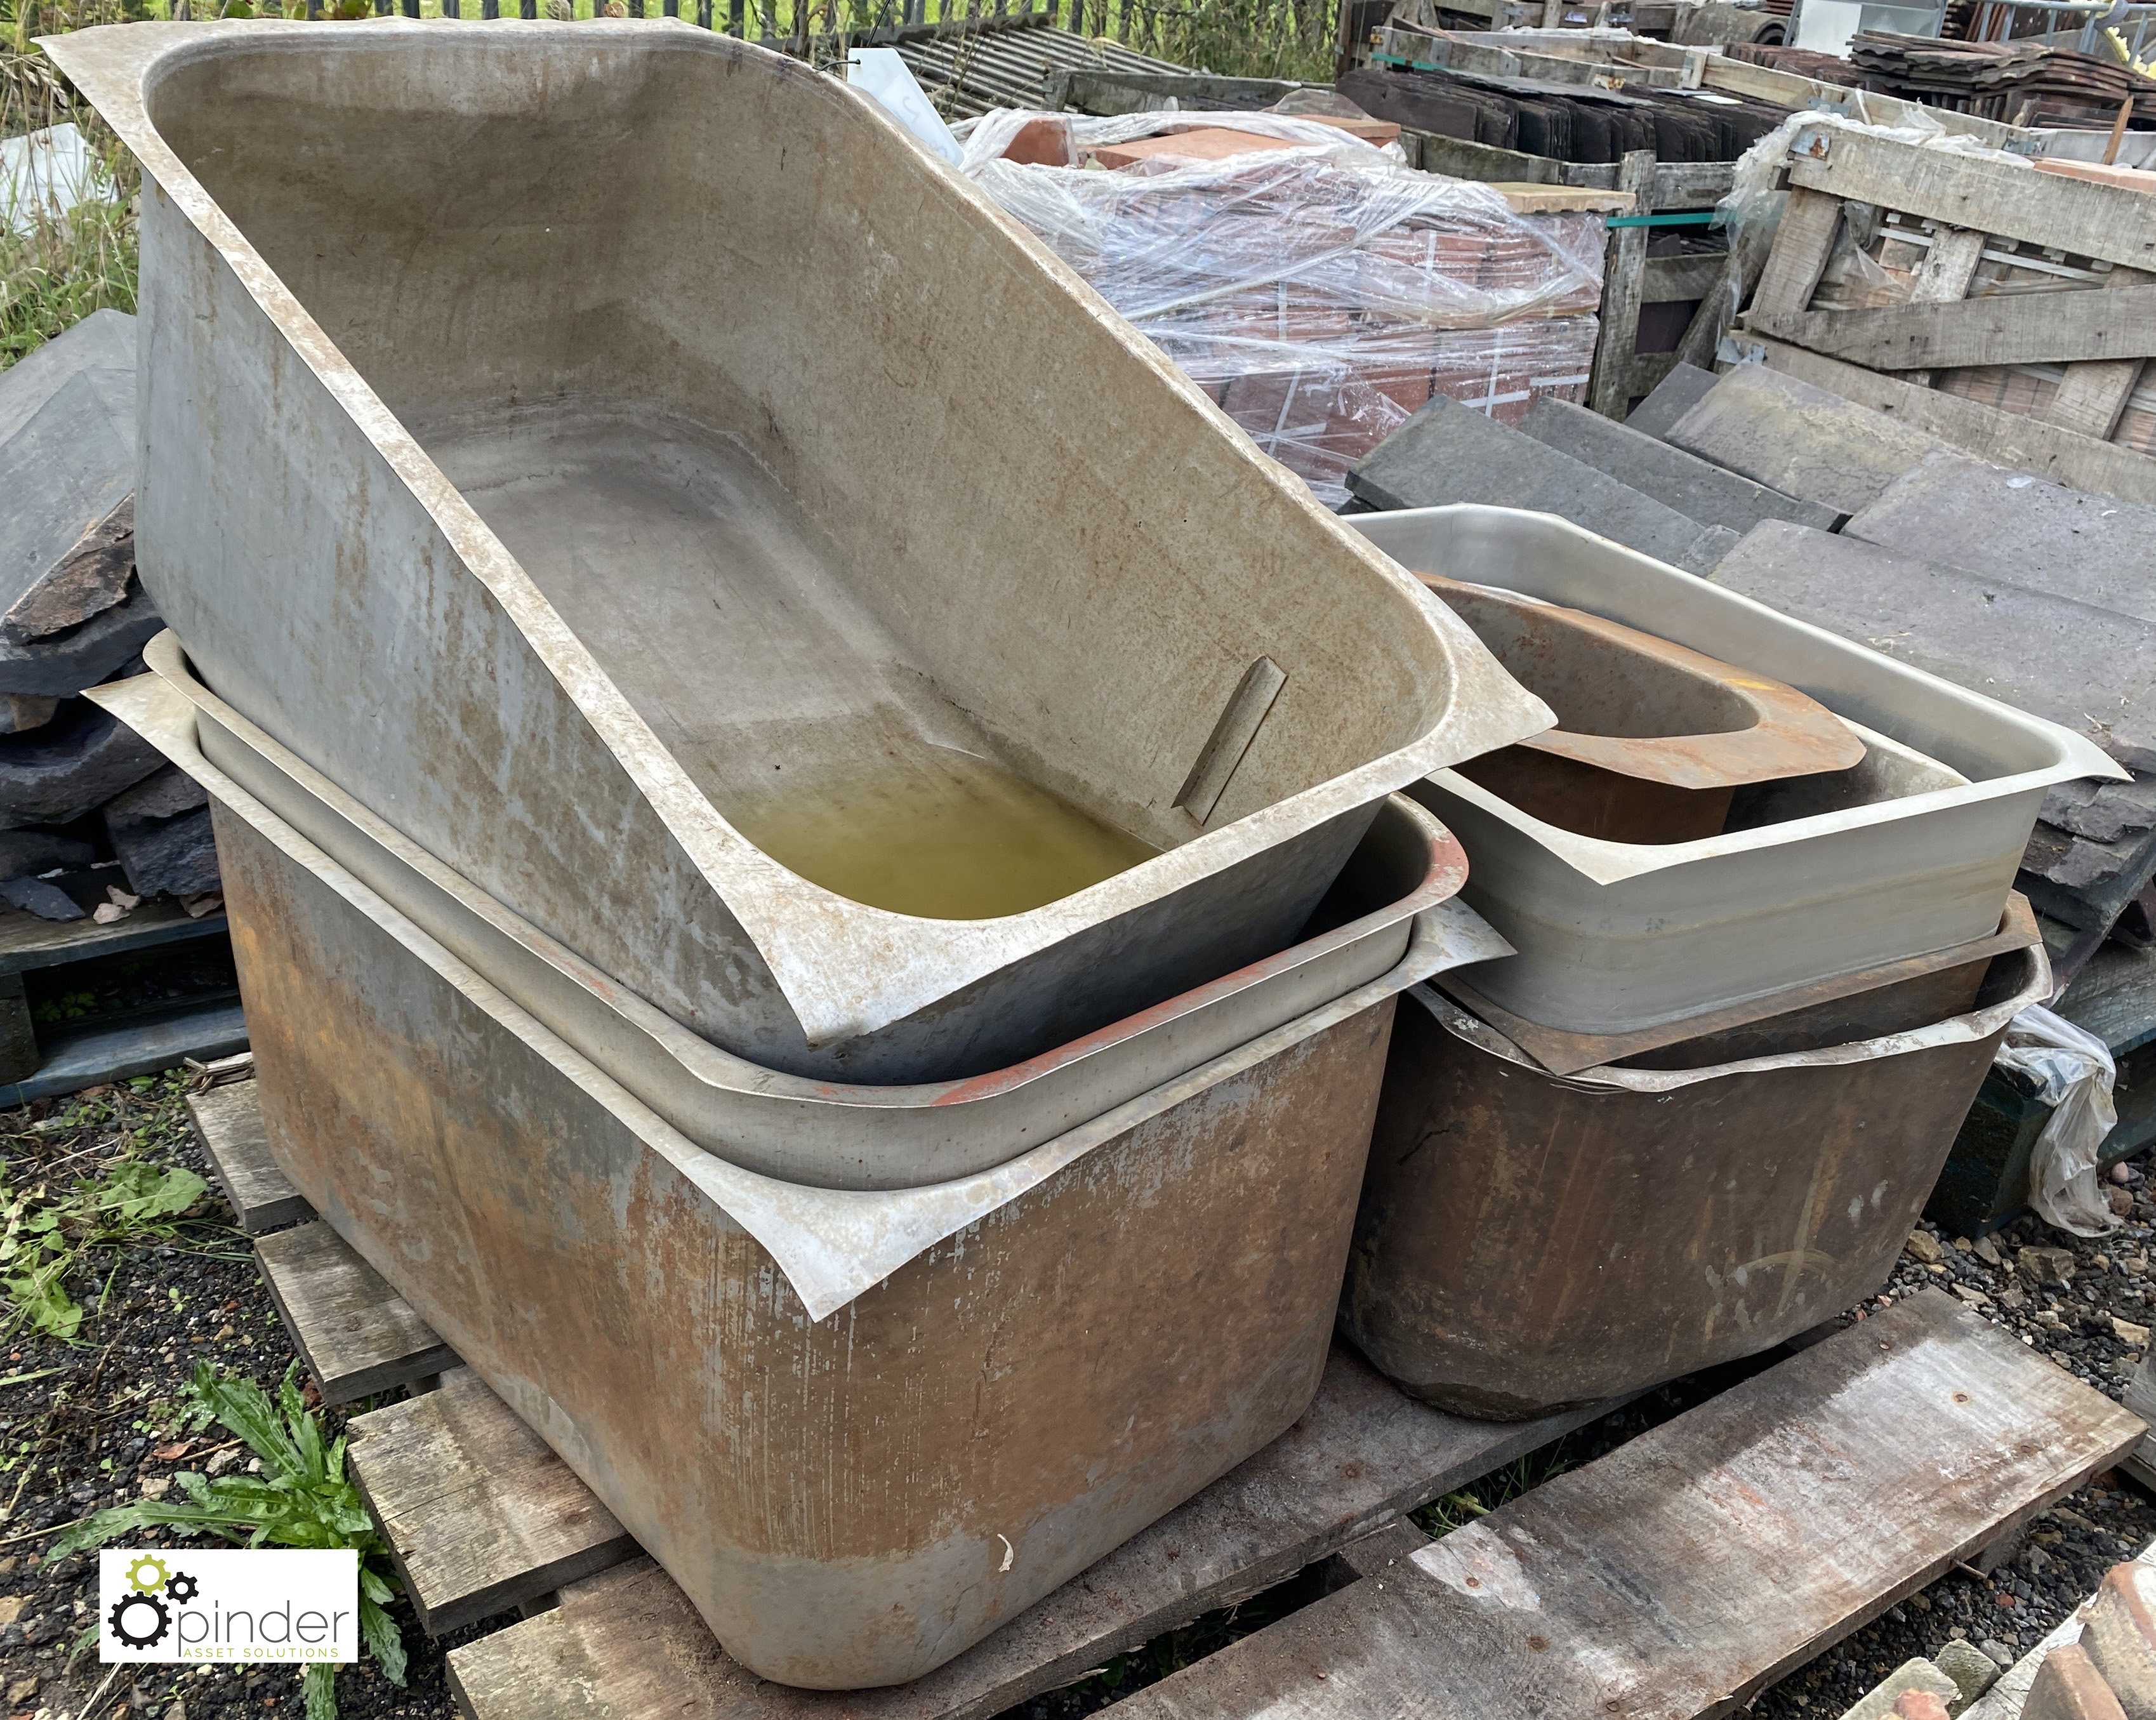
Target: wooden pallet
(1658, 1579)
(2026, 244)
(67, 1058)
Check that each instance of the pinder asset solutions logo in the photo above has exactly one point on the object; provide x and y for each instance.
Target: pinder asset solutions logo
(278, 1604)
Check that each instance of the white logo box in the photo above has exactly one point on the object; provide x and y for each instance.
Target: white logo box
(268, 1604)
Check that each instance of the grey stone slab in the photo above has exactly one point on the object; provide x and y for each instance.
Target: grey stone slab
(166, 794)
(2103, 812)
(1696, 488)
(1800, 439)
(2089, 668)
(71, 766)
(63, 472)
(1448, 453)
(175, 856)
(1674, 396)
(47, 902)
(2008, 525)
(103, 342)
(26, 853)
(61, 668)
(2085, 883)
(89, 579)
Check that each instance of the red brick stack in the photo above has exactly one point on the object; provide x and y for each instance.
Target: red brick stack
(1320, 298)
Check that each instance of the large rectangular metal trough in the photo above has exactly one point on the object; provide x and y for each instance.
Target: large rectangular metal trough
(849, 1495)
(626, 462)
(1839, 873)
(1395, 891)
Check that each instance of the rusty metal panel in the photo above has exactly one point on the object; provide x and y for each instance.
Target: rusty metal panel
(577, 581)
(1528, 1240)
(1653, 740)
(1814, 878)
(848, 1501)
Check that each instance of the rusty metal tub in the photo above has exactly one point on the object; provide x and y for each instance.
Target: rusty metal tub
(607, 554)
(1528, 1240)
(1814, 878)
(1402, 873)
(850, 1500)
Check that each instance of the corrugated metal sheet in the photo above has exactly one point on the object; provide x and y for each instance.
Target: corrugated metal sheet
(966, 74)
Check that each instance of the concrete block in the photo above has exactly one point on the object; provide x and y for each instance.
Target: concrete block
(1696, 488)
(2069, 1687)
(2118, 1634)
(1800, 439)
(1447, 452)
(1972, 1670)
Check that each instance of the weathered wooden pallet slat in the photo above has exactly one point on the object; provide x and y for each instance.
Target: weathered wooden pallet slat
(357, 1334)
(227, 1121)
(1363, 1455)
(480, 1516)
(1701, 1561)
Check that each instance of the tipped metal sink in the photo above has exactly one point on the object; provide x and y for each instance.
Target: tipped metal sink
(681, 581)
(1652, 740)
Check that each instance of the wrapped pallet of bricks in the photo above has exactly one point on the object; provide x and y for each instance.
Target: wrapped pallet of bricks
(92, 819)
(1299, 271)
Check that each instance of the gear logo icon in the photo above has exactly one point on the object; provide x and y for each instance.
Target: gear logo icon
(134, 1579)
(182, 1586)
(145, 1632)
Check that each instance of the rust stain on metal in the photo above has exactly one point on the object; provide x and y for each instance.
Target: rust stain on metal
(1528, 1241)
(851, 1501)
(1652, 739)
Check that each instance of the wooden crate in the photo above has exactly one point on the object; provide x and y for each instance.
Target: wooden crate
(2007, 268)
(1677, 1575)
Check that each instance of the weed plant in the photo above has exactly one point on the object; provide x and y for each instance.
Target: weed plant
(302, 1498)
(64, 1221)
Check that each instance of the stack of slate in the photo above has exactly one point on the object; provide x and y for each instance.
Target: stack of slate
(1564, 122)
(2025, 83)
(84, 803)
(1613, 478)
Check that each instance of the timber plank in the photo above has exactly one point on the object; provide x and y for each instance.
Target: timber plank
(1945, 275)
(2094, 395)
(2005, 437)
(2014, 201)
(1448, 452)
(2019, 328)
(227, 1121)
(1361, 1455)
(1705, 1559)
(2011, 527)
(1800, 440)
(480, 1515)
(1696, 488)
(356, 1334)
(1609, 391)
(2093, 671)
(1802, 242)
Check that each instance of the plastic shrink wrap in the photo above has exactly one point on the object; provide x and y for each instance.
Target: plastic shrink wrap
(1315, 286)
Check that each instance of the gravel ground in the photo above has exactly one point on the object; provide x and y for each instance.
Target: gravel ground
(89, 1425)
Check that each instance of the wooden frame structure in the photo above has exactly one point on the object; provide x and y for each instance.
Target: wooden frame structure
(2018, 267)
